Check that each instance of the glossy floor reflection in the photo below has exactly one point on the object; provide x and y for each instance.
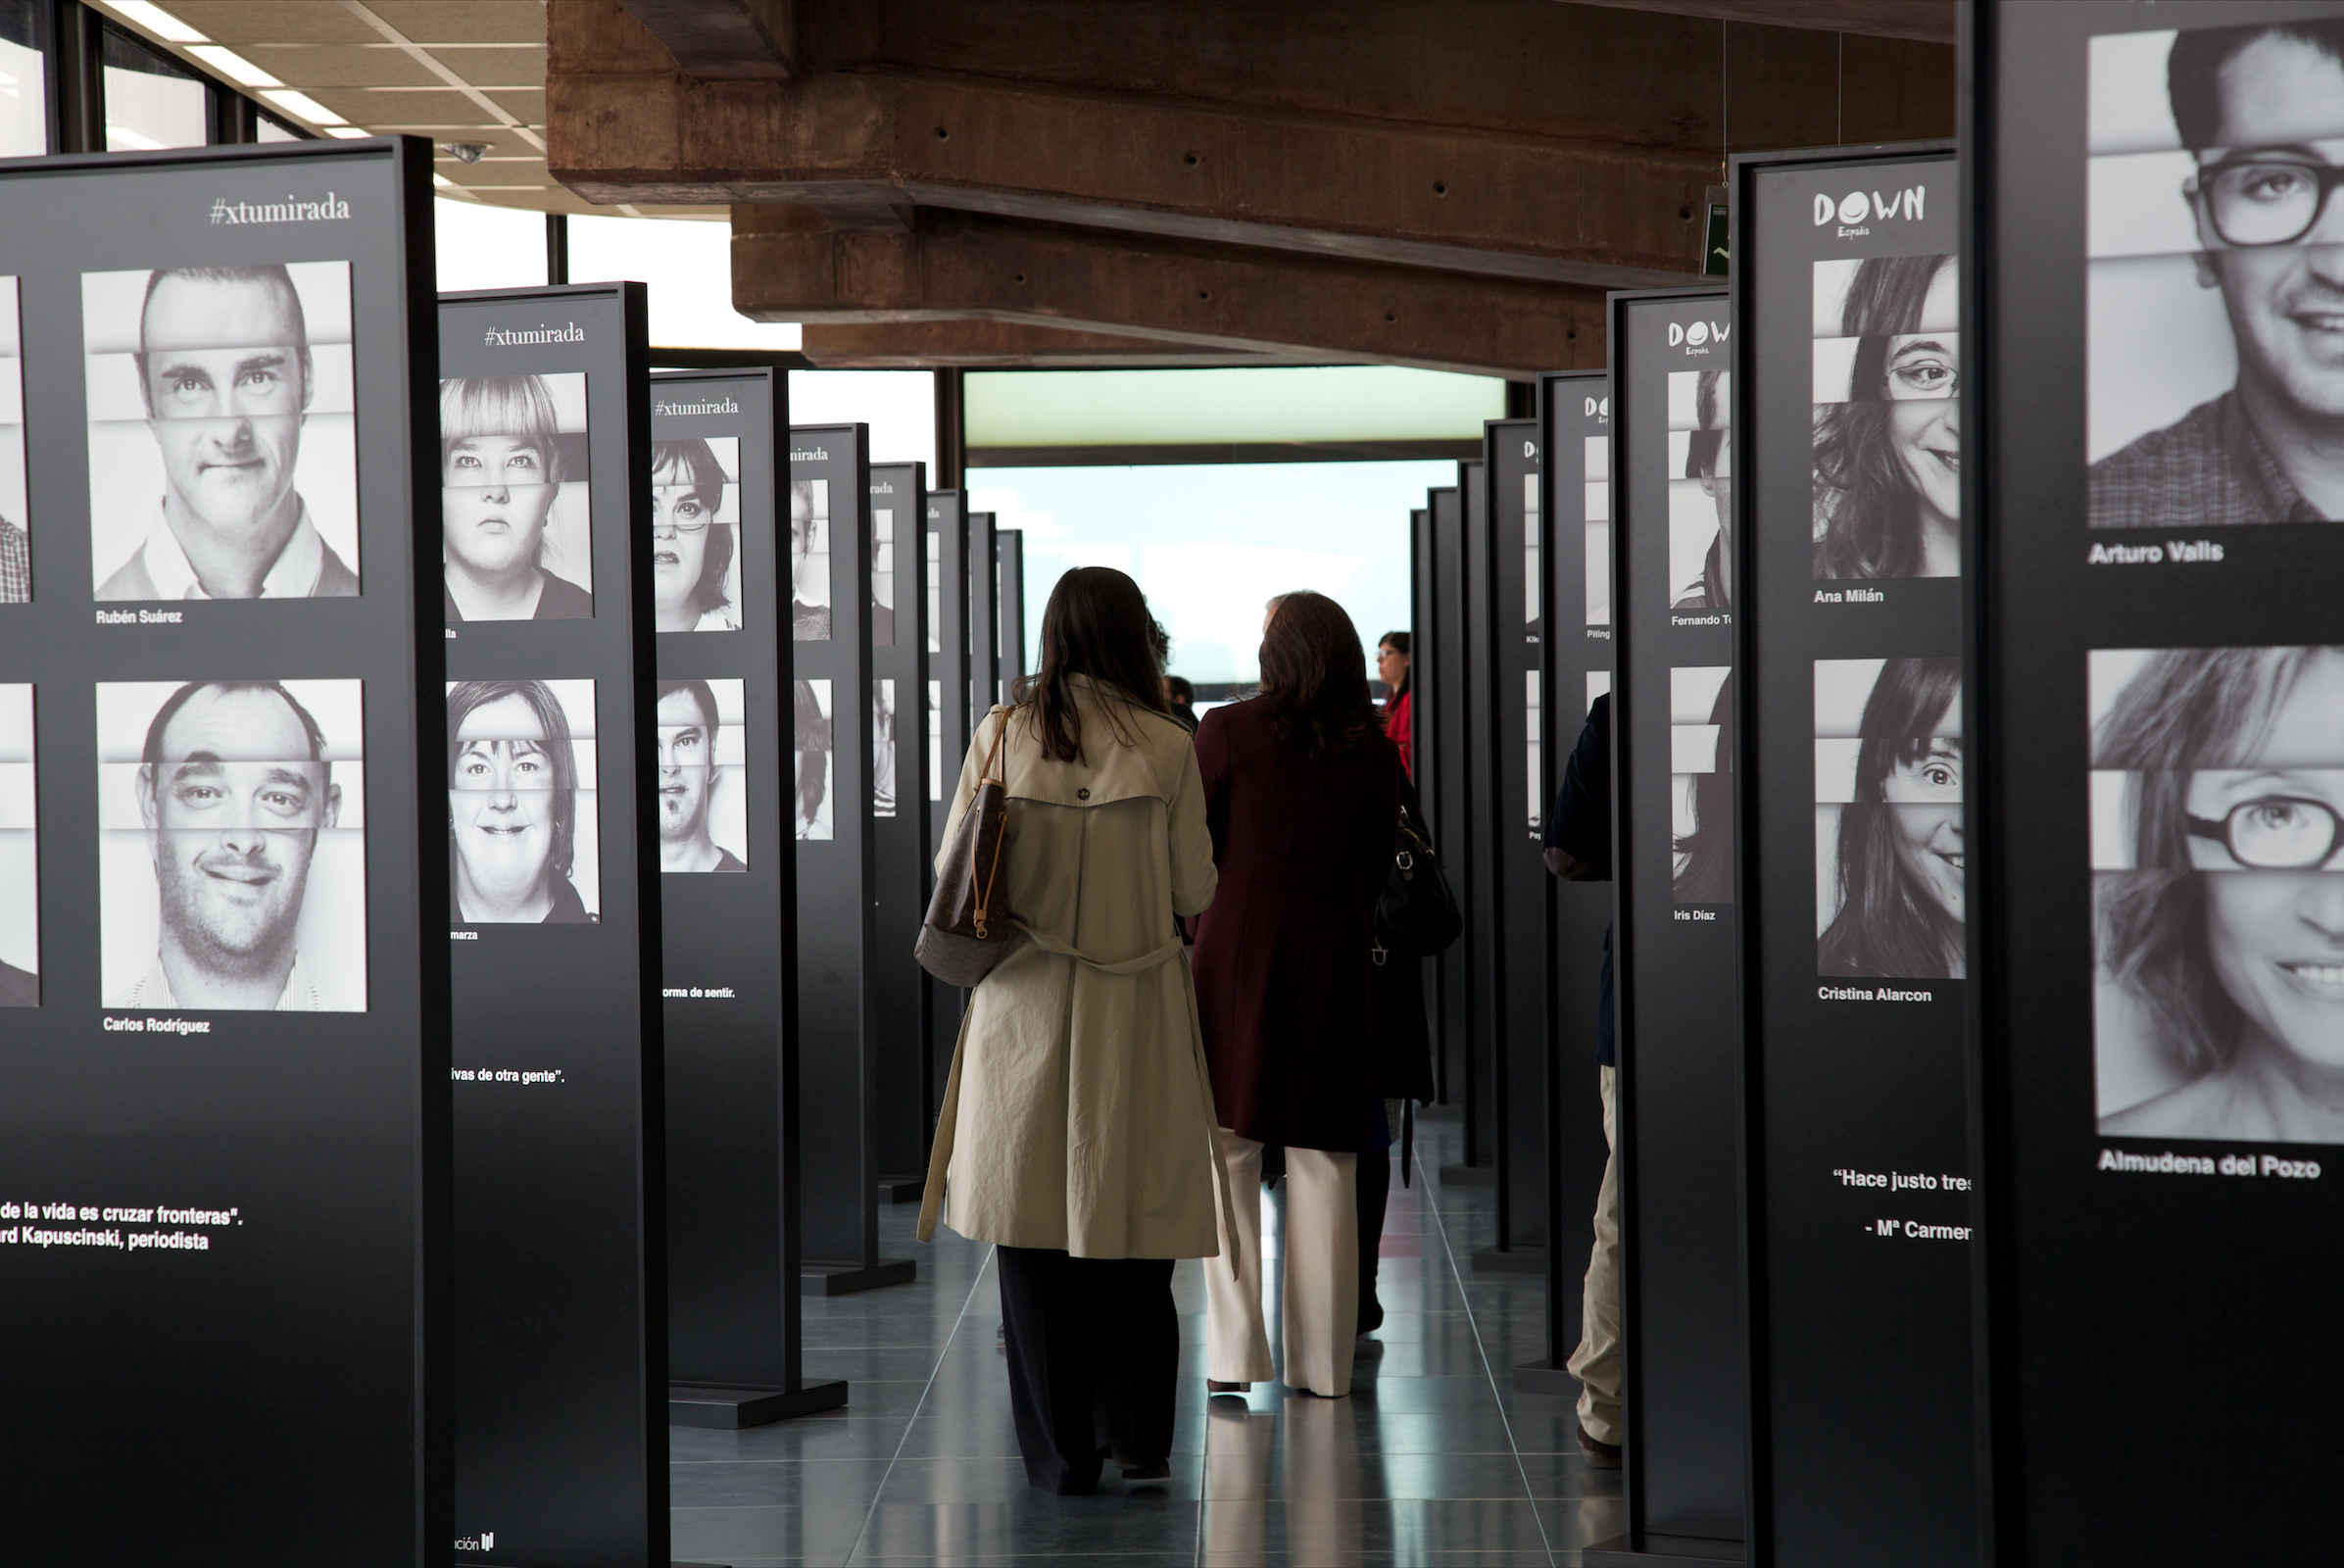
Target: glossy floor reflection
(1433, 1459)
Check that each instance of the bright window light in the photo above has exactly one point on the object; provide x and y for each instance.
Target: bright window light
(900, 407)
(302, 104)
(233, 66)
(156, 20)
(481, 246)
(344, 132)
(688, 266)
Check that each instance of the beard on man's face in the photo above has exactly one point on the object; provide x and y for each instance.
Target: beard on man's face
(231, 908)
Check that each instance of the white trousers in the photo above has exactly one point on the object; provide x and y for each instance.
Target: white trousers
(1318, 1309)
(1596, 1361)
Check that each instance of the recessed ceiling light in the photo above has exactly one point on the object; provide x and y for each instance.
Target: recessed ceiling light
(233, 66)
(156, 20)
(302, 104)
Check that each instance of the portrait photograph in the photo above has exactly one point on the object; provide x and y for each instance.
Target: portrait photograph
(2217, 833)
(703, 766)
(1700, 490)
(809, 562)
(2216, 256)
(16, 524)
(1888, 429)
(516, 533)
(883, 576)
(232, 846)
(883, 747)
(1701, 782)
(1596, 584)
(20, 865)
(521, 798)
(695, 533)
(811, 743)
(1889, 863)
(222, 444)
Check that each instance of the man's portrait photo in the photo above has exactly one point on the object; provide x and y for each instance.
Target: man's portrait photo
(812, 811)
(232, 847)
(2216, 276)
(223, 454)
(810, 560)
(883, 747)
(19, 867)
(16, 544)
(704, 809)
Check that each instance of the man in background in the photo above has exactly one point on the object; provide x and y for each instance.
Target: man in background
(1181, 698)
(687, 725)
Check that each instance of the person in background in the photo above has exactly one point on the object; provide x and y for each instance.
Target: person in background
(1392, 661)
(1179, 698)
(1578, 848)
(1077, 1131)
(1302, 794)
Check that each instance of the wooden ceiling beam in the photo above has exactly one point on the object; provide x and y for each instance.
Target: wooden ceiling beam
(725, 40)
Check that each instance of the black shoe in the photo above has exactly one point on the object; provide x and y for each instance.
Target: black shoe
(1371, 1316)
(1149, 1470)
(1602, 1456)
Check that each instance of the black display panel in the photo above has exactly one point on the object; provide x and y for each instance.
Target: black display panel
(1422, 770)
(947, 744)
(219, 882)
(1856, 1136)
(1476, 789)
(838, 977)
(984, 640)
(550, 598)
(728, 902)
(1519, 792)
(900, 606)
(2161, 967)
(1574, 412)
(1674, 942)
(1009, 607)
(1444, 702)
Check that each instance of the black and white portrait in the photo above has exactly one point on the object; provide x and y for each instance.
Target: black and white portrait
(2217, 826)
(1700, 490)
(1701, 782)
(16, 541)
(809, 562)
(2216, 276)
(812, 810)
(516, 542)
(521, 798)
(883, 576)
(223, 449)
(1596, 584)
(1887, 430)
(20, 864)
(703, 807)
(883, 747)
(232, 858)
(1889, 856)
(694, 534)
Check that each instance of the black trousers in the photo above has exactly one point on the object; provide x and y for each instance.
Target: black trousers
(1094, 1361)
(1374, 1195)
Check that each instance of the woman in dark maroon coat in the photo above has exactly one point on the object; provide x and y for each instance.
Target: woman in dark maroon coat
(1301, 792)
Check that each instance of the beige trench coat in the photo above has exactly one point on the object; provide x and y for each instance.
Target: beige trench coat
(1079, 1114)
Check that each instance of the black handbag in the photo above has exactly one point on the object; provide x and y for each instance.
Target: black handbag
(1416, 914)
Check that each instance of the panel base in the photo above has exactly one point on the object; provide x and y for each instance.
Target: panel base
(902, 1188)
(1544, 1377)
(1513, 1260)
(1469, 1175)
(845, 1279)
(691, 1404)
(1662, 1551)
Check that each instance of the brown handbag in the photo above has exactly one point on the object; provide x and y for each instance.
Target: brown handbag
(969, 926)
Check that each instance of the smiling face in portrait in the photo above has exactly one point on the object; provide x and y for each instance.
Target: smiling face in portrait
(494, 500)
(235, 801)
(226, 379)
(680, 515)
(2285, 301)
(686, 757)
(1923, 371)
(501, 799)
(1925, 800)
(2276, 933)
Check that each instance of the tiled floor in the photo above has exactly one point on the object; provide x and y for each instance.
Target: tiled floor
(1433, 1459)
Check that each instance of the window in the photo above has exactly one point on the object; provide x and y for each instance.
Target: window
(152, 100)
(24, 78)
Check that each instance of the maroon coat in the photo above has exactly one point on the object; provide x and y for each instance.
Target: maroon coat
(1282, 957)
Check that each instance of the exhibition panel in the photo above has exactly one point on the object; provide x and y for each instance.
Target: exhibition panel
(728, 902)
(838, 1006)
(1477, 1060)
(220, 880)
(984, 640)
(1857, 1186)
(1674, 943)
(949, 730)
(2161, 705)
(1423, 770)
(1575, 424)
(1444, 754)
(899, 849)
(549, 600)
(1514, 801)
(1009, 608)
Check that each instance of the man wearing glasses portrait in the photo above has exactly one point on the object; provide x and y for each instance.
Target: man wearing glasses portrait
(2262, 111)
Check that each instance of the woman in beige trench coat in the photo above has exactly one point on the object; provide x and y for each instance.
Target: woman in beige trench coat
(1077, 1132)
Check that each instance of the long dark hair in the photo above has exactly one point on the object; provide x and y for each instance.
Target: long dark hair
(1399, 642)
(1885, 925)
(1708, 850)
(1097, 624)
(1867, 515)
(1315, 676)
(1703, 449)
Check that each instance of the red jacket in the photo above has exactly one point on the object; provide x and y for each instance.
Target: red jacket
(1400, 726)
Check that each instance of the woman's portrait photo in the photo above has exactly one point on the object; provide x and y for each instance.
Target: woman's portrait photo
(19, 862)
(2217, 826)
(695, 537)
(1701, 782)
(522, 803)
(1888, 856)
(1700, 490)
(513, 514)
(1887, 430)
(16, 543)
(883, 747)
(810, 560)
(811, 743)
